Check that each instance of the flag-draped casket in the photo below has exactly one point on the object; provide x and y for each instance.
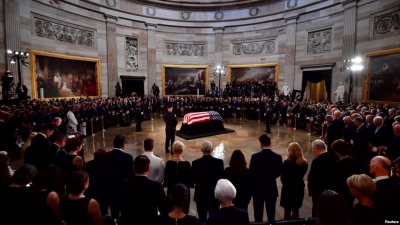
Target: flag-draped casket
(202, 122)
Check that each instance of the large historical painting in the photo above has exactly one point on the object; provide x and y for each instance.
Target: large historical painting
(184, 79)
(253, 72)
(383, 76)
(63, 76)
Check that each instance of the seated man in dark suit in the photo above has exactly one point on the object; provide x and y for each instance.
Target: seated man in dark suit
(206, 172)
(229, 214)
(53, 151)
(116, 166)
(387, 195)
(141, 198)
(265, 167)
(36, 153)
(321, 171)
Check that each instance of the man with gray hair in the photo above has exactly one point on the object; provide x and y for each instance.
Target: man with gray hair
(349, 129)
(381, 134)
(206, 172)
(334, 131)
(320, 175)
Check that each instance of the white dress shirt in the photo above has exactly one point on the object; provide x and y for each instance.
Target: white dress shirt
(156, 167)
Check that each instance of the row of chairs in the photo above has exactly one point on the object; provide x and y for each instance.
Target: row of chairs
(308, 221)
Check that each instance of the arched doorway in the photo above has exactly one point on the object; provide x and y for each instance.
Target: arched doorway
(317, 81)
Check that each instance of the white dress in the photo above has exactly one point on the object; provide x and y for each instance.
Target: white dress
(64, 87)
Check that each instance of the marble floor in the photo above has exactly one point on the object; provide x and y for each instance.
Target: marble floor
(244, 138)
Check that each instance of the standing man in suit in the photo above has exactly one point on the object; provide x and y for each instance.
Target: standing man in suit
(387, 195)
(349, 129)
(36, 153)
(138, 116)
(362, 145)
(116, 166)
(381, 136)
(321, 172)
(265, 167)
(206, 172)
(334, 131)
(170, 129)
(56, 123)
(156, 163)
(393, 147)
(22, 91)
(141, 198)
(54, 150)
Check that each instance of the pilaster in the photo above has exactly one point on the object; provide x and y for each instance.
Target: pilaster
(290, 56)
(112, 67)
(218, 34)
(12, 31)
(151, 57)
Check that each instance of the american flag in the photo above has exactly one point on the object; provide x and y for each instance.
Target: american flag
(199, 117)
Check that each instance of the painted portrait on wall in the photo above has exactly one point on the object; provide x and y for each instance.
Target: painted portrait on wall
(63, 76)
(184, 79)
(253, 72)
(383, 76)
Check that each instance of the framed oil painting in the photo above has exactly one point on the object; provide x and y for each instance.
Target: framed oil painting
(382, 77)
(64, 76)
(184, 79)
(253, 72)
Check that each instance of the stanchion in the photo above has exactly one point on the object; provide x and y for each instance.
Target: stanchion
(117, 120)
(104, 140)
(294, 128)
(259, 115)
(91, 123)
(102, 123)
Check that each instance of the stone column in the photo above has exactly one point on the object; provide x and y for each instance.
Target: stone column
(349, 42)
(151, 57)
(12, 29)
(290, 55)
(218, 31)
(112, 67)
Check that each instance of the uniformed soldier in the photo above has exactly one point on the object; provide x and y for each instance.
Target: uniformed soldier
(138, 116)
(268, 116)
(170, 129)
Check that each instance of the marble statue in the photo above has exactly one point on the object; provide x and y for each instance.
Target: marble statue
(339, 93)
(286, 90)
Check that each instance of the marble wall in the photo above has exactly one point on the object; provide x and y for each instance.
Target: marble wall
(288, 31)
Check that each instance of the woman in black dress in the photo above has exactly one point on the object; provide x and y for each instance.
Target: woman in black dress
(72, 161)
(238, 174)
(362, 187)
(294, 169)
(178, 170)
(76, 208)
(47, 189)
(179, 196)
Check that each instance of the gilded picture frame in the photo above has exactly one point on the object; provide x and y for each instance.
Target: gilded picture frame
(64, 76)
(183, 80)
(254, 72)
(382, 77)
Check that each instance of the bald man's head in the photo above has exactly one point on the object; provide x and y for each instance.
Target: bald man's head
(380, 166)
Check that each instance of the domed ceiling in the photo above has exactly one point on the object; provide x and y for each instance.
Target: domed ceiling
(201, 5)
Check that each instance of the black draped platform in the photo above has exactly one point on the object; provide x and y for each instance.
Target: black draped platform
(204, 129)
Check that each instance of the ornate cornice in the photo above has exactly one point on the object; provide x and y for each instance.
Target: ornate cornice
(256, 47)
(185, 49)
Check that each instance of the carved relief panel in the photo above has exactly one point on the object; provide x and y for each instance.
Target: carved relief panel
(319, 41)
(255, 47)
(184, 49)
(386, 23)
(131, 51)
(59, 30)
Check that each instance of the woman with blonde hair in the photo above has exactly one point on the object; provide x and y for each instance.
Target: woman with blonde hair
(294, 169)
(177, 170)
(27, 144)
(362, 187)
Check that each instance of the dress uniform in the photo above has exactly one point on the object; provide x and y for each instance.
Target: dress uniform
(170, 129)
(138, 117)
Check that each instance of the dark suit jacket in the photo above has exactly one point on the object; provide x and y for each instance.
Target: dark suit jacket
(229, 216)
(361, 139)
(343, 170)
(334, 131)
(54, 135)
(321, 174)
(206, 172)
(381, 137)
(393, 148)
(348, 132)
(52, 154)
(38, 147)
(116, 166)
(387, 197)
(140, 198)
(265, 167)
